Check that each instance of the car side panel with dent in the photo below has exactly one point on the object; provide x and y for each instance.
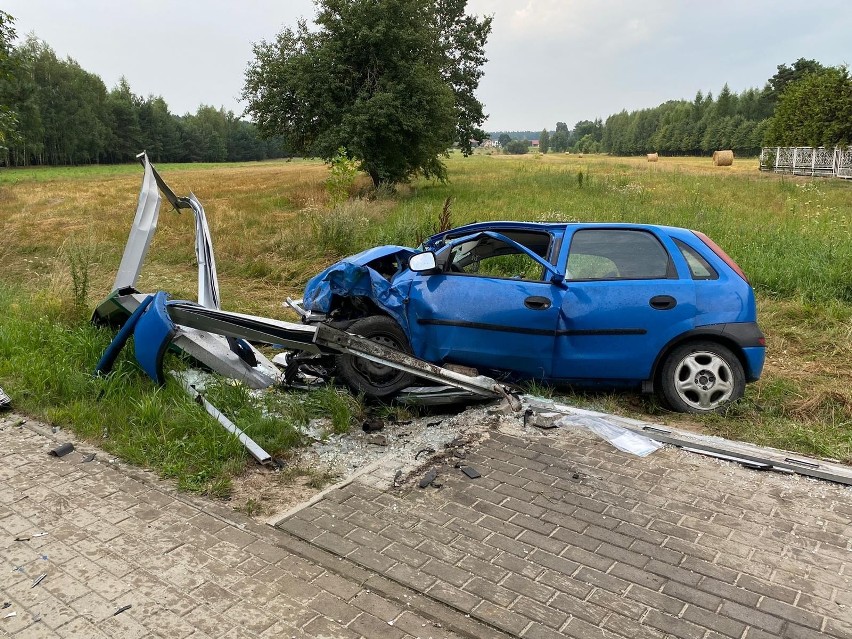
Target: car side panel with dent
(483, 322)
(486, 322)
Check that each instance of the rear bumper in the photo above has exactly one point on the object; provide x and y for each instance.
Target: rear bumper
(755, 356)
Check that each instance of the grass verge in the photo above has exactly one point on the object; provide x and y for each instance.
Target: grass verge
(48, 352)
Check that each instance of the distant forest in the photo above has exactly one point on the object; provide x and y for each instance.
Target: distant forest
(802, 104)
(54, 112)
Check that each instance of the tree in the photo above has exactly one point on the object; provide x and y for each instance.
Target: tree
(504, 139)
(392, 82)
(785, 75)
(559, 140)
(8, 118)
(517, 147)
(544, 141)
(815, 110)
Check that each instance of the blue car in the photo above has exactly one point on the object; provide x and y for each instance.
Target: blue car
(655, 308)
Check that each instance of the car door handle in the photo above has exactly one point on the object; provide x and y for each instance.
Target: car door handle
(662, 302)
(537, 303)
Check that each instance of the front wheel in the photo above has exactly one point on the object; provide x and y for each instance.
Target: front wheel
(370, 378)
(701, 377)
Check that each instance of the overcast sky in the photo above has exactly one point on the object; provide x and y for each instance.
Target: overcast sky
(549, 60)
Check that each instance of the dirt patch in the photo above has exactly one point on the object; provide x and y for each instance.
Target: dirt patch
(403, 448)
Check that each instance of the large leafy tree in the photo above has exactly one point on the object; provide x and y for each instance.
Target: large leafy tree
(392, 82)
(815, 110)
(786, 75)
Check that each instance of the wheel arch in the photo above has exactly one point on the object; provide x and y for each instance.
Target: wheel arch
(709, 334)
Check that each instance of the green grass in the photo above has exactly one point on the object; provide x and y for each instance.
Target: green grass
(273, 228)
(48, 353)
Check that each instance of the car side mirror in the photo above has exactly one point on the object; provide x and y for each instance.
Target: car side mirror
(422, 262)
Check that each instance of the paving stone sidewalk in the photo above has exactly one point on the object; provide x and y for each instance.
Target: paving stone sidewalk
(563, 536)
(188, 567)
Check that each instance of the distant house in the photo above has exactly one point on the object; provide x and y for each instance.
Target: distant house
(534, 143)
(491, 144)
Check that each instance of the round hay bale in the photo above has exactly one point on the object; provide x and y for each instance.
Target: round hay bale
(723, 158)
(653, 157)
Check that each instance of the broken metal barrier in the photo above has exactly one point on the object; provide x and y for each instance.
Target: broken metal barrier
(749, 455)
(156, 322)
(220, 339)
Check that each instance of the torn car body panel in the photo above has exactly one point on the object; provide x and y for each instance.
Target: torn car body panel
(142, 230)
(369, 275)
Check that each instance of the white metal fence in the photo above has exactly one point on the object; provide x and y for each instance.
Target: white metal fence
(807, 160)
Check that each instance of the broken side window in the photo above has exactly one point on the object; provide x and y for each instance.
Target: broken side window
(492, 257)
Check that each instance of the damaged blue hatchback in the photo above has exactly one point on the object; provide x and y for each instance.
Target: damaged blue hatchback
(659, 308)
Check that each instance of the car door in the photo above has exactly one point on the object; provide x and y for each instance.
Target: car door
(479, 312)
(625, 300)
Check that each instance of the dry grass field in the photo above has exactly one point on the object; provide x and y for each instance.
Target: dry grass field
(62, 232)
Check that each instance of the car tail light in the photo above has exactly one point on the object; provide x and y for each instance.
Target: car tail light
(724, 256)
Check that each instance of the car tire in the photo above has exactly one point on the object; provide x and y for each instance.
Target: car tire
(363, 376)
(701, 377)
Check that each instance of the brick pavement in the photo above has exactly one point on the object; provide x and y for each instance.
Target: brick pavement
(188, 567)
(563, 536)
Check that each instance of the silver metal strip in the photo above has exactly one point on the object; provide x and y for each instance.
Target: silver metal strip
(751, 453)
(251, 446)
(369, 350)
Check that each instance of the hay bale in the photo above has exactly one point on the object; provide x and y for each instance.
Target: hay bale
(723, 158)
(653, 157)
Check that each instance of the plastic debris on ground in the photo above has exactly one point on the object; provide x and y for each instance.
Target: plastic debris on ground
(5, 400)
(623, 439)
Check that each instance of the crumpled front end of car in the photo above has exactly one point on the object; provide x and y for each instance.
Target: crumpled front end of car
(379, 274)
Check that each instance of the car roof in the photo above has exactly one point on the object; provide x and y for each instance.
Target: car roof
(554, 227)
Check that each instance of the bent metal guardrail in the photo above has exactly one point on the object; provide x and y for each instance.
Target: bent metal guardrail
(807, 160)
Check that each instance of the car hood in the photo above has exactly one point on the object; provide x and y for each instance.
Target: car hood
(354, 276)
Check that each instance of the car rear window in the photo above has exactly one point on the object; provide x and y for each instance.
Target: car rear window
(698, 266)
(617, 254)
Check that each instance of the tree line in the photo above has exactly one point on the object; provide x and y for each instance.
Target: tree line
(804, 104)
(54, 112)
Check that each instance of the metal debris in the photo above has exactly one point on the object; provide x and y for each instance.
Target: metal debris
(122, 609)
(10, 614)
(88, 458)
(428, 451)
(39, 579)
(428, 478)
(62, 450)
(251, 446)
(5, 400)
